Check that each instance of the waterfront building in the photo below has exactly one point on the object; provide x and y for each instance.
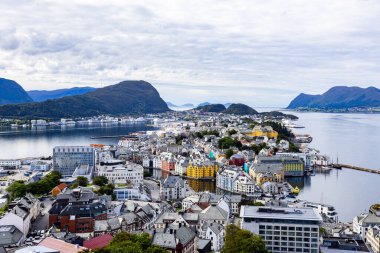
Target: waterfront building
(67, 158)
(205, 170)
(10, 164)
(291, 165)
(283, 229)
(129, 173)
(263, 173)
(327, 211)
(373, 238)
(235, 179)
(181, 166)
(173, 188)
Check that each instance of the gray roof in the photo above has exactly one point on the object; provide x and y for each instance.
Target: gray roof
(202, 243)
(216, 228)
(100, 225)
(171, 181)
(214, 213)
(282, 213)
(164, 240)
(371, 219)
(9, 235)
(185, 235)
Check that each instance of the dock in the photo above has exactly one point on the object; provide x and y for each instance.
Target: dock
(347, 166)
(114, 137)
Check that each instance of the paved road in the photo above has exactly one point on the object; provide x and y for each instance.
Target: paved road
(154, 189)
(42, 221)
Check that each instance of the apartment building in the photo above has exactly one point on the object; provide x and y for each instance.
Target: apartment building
(284, 229)
(67, 158)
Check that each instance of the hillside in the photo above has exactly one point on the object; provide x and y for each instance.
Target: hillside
(212, 108)
(12, 93)
(128, 97)
(240, 109)
(339, 97)
(43, 95)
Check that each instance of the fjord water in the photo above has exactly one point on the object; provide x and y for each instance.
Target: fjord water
(355, 138)
(36, 142)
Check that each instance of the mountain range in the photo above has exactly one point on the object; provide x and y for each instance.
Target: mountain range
(339, 97)
(12, 93)
(127, 97)
(43, 95)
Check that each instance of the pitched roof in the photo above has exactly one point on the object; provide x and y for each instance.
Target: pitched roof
(185, 235)
(98, 242)
(9, 235)
(213, 213)
(62, 186)
(164, 240)
(61, 246)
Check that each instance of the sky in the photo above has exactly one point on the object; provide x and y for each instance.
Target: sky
(262, 53)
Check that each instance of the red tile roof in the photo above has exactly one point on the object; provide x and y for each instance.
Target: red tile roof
(98, 242)
(62, 246)
(62, 186)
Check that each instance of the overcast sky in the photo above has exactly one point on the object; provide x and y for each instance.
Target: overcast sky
(262, 53)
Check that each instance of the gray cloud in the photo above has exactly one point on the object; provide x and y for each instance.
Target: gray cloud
(257, 52)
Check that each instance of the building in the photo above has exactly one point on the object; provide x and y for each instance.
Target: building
(373, 238)
(58, 189)
(67, 158)
(181, 240)
(10, 236)
(76, 210)
(267, 131)
(215, 233)
(263, 173)
(39, 166)
(173, 188)
(130, 193)
(129, 173)
(235, 179)
(205, 170)
(291, 165)
(284, 229)
(364, 221)
(84, 170)
(10, 164)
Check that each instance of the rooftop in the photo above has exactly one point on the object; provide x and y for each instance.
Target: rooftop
(283, 213)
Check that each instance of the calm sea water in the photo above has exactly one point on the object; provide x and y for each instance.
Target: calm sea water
(40, 141)
(354, 138)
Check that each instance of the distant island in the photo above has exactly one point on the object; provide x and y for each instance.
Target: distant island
(339, 98)
(43, 95)
(128, 97)
(242, 109)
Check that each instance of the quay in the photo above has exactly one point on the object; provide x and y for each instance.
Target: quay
(340, 166)
(113, 137)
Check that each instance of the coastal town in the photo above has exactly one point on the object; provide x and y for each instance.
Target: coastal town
(185, 185)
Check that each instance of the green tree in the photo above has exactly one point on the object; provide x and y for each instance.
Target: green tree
(227, 142)
(106, 189)
(229, 153)
(242, 241)
(100, 180)
(82, 181)
(17, 189)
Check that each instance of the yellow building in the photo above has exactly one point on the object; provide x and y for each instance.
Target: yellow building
(202, 171)
(269, 177)
(267, 131)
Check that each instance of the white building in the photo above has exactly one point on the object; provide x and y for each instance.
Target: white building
(373, 238)
(324, 210)
(215, 233)
(234, 179)
(363, 222)
(284, 229)
(12, 164)
(173, 188)
(127, 173)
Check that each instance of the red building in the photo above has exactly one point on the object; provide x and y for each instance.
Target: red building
(76, 210)
(237, 160)
(168, 164)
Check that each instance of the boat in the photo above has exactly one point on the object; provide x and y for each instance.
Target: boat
(296, 190)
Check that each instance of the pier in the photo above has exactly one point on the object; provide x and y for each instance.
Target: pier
(114, 137)
(340, 166)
